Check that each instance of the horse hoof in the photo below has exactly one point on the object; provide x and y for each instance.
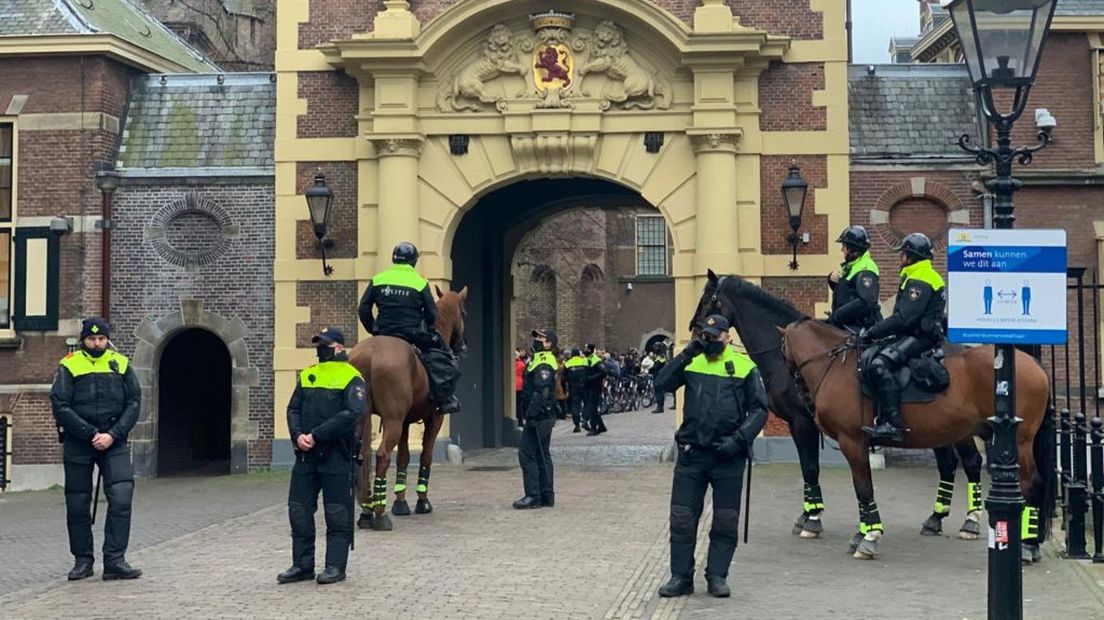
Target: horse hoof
(860, 555)
(1030, 553)
(971, 527)
(813, 527)
(933, 526)
(868, 546)
(401, 508)
(799, 525)
(366, 520)
(853, 545)
(382, 523)
(807, 534)
(423, 507)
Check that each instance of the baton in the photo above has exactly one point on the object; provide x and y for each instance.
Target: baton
(96, 495)
(747, 498)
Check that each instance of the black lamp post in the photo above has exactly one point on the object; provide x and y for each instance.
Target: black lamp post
(320, 201)
(1002, 42)
(794, 189)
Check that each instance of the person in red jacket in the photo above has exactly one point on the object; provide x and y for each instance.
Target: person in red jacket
(519, 373)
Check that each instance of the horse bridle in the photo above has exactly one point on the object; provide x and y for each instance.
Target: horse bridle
(832, 354)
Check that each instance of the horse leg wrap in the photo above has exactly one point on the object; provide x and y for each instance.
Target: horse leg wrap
(943, 496)
(973, 496)
(869, 519)
(379, 492)
(423, 479)
(1029, 524)
(400, 481)
(814, 501)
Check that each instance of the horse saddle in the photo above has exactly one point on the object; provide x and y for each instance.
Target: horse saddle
(922, 379)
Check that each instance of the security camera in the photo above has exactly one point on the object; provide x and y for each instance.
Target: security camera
(61, 226)
(628, 286)
(1045, 121)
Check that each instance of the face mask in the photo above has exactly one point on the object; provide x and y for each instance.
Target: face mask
(714, 347)
(325, 353)
(95, 352)
(537, 345)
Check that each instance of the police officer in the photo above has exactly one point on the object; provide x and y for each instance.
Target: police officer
(595, 378)
(96, 399)
(323, 417)
(725, 408)
(534, 455)
(916, 325)
(407, 310)
(659, 360)
(855, 285)
(575, 372)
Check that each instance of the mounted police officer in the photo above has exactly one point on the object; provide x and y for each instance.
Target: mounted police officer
(725, 408)
(659, 360)
(96, 399)
(855, 285)
(575, 373)
(323, 417)
(533, 454)
(916, 325)
(407, 310)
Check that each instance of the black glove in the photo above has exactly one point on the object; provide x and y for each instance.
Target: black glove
(731, 446)
(694, 349)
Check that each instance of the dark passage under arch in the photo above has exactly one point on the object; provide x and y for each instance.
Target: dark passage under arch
(194, 405)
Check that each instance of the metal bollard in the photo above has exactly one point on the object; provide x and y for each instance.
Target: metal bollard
(1098, 489)
(1078, 504)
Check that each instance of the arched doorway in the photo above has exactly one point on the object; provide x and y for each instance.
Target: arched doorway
(482, 256)
(194, 398)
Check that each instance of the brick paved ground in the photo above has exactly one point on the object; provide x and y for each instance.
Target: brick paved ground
(599, 554)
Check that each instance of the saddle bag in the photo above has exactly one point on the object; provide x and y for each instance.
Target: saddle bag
(928, 372)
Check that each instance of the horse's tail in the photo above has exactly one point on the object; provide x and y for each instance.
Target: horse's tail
(1043, 488)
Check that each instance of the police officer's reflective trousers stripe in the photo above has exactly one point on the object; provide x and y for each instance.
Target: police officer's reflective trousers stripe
(118, 486)
(330, 475)
(535, 458)
(694, 473)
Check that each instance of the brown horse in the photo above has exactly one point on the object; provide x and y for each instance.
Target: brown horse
(398, 392)
(825, 360)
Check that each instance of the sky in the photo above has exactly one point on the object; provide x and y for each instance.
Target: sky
(875, 21)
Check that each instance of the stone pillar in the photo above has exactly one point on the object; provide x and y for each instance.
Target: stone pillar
(715, 16)
(395, 21)
(398, 194)
(715, 154)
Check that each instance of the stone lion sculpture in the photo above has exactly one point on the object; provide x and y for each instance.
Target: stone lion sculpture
(629, 84)
(466, 91)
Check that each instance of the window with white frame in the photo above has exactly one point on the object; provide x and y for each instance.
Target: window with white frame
(7, 160)
(651, 245)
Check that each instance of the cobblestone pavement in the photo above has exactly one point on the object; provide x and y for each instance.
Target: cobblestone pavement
(600, 553)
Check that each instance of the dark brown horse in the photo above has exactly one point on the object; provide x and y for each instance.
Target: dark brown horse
(825, 358)
(398, 392)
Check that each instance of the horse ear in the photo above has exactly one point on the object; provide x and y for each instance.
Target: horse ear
(464, 294)
(439, 293)
(712, 276)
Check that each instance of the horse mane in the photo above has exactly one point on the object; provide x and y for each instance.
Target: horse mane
(739, 287)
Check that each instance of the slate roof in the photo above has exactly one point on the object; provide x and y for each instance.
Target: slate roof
(121, 18)
(910, 111)
(192, 122)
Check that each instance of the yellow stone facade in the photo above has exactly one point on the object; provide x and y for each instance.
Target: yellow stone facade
(705, 180)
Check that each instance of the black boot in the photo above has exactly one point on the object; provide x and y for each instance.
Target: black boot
(527, 502)
(295, 574)
(332, 574)
(576, 429)
(717, 587)
(548, 501)
(120, 570)
(889, 427)
(449, 404)
(677, 586)
(81, 568)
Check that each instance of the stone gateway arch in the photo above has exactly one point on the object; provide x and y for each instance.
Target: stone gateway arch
(457, 124)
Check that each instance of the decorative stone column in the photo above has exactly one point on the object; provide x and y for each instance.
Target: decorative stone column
(715, 153)
(398, 194)
(396, 21)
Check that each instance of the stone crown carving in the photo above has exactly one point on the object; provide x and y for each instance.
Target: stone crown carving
(552, 65)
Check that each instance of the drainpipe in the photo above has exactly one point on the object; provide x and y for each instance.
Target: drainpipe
(107, 181)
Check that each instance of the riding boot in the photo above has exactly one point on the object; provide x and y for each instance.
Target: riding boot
(889, 425)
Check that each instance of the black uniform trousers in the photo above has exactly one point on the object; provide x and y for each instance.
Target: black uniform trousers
(694, 472)
(328, 471)
(575, 402)
(536, 459)
(118, 484)
(594, 409)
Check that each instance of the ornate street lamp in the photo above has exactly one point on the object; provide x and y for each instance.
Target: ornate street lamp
(794, 189)
(1002, 42)
(319, 202)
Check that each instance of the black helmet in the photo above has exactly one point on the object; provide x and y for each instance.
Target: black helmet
(856, 237)
(659, 347)
(917, 246)
(405, 253)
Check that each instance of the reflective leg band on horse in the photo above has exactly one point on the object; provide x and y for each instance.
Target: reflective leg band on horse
(869, 519)
(423, 479)
(379, 491)
(814, 501)
(1029, 524)
(943, 496)
(973, 496)
(400, 481)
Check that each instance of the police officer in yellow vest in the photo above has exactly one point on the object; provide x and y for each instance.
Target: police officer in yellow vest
(855, 285)
(323, 417)
(596, 377)
(95, 400)
(576, 369)
(659, 361)
(725, 408)
(407, 310)
(534, 455)
(916, 325)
